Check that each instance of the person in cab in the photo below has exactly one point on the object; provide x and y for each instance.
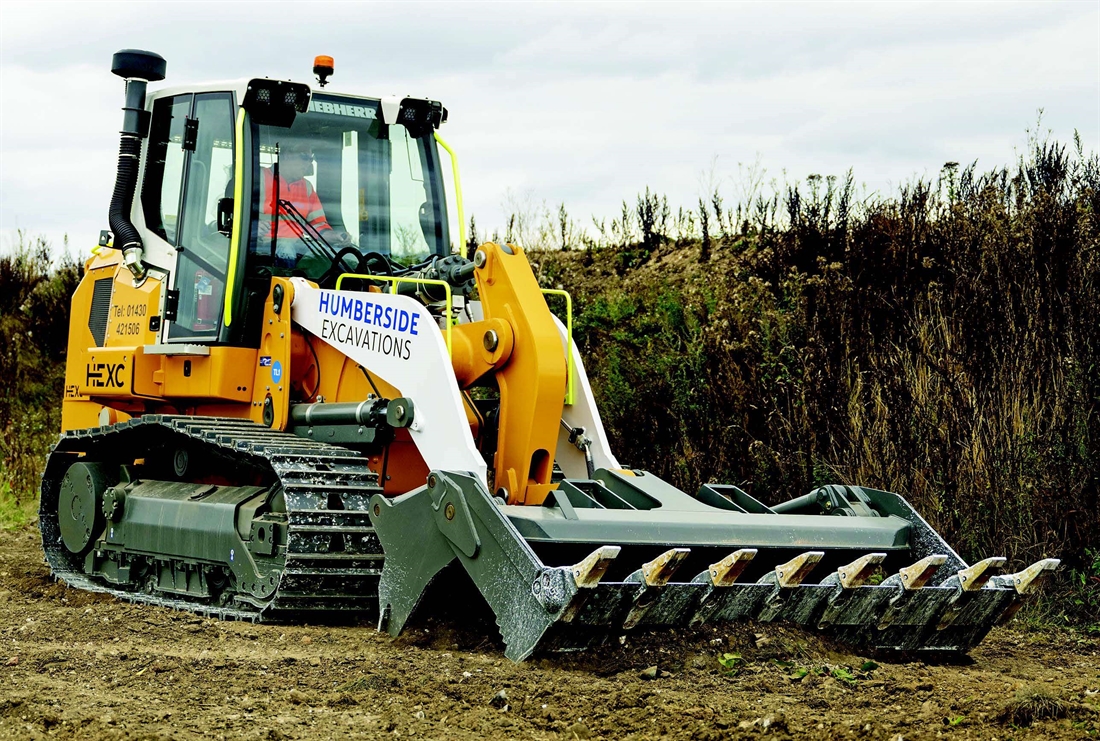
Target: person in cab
(301, 221)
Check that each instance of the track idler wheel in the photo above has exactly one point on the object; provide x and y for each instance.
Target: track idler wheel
(80, 506)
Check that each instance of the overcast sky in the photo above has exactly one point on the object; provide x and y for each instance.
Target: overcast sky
(585, 104)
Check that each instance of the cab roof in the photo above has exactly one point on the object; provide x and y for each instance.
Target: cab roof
(238, 87)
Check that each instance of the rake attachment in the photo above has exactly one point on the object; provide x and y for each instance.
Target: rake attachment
(649, 556)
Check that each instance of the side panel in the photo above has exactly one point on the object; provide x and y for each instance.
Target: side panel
(225, 374)
(106, 369)
(98, 319)
(109, 376)
(134, 311)
(271, 365)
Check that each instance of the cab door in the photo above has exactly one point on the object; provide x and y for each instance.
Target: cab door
(203, 143)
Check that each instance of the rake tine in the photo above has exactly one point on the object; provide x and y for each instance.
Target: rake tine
(1029, 579)
(587, 575)
(657, 572)
(845, 581)
(914, 577)
(967, 582)
(652, 576)
(725, 572)
(973, 578)
(859, 571)
(785, 578)
(910, 579)
(789, 575)
(1024, 582)
(719, 578)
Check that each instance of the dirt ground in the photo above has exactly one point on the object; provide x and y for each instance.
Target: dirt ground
(75, 665)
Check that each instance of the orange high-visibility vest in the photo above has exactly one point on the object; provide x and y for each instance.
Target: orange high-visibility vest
(302, 196)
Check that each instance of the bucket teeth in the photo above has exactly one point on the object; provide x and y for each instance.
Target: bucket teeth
(652, 577)
(859, 571)
(725, 572)
(968, 584)
(973, 578)
(1030, 578)
(937, 604)
(792, 573)
(657, 572)
(914, 577)
(587, 573)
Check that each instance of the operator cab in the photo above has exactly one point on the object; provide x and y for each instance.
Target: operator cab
(344, 179)
(329, 184)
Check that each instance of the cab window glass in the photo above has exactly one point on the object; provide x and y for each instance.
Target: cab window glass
(161, 189)
(411, 222)
(201, 266)
(345, 183)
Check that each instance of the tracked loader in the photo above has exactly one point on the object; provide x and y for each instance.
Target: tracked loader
(288, 396)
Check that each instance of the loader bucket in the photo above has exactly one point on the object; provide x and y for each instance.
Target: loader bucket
(626, 551)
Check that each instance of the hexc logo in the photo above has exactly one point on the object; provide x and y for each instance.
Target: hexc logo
(104, 375)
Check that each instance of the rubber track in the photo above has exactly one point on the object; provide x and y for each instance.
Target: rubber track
(333, 557)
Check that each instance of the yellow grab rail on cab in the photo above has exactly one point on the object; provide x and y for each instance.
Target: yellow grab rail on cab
(238, 208)
(569, 393)
(395, 280)
(458, 194)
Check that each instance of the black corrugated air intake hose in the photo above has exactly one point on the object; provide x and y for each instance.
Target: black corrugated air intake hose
(138, 68)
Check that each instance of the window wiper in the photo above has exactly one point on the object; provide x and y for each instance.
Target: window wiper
(309, 236)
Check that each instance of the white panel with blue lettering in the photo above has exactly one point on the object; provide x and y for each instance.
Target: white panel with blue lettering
(396, 338)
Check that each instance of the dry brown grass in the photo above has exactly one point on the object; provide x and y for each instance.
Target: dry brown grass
(1031, 704)
(942, 344)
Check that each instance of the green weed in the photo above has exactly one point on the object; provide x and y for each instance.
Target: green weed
(35, 292)
(15, 512)
(731, 663)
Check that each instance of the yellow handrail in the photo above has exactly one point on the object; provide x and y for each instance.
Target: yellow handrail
(569, 393)
(238, 209)
(395, 280)
(458, 194)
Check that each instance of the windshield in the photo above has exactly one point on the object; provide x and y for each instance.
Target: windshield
(341, 178)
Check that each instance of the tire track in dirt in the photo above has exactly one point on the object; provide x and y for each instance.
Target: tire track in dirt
(77, 665)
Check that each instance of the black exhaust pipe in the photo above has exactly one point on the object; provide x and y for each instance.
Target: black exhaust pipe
(138, 68)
